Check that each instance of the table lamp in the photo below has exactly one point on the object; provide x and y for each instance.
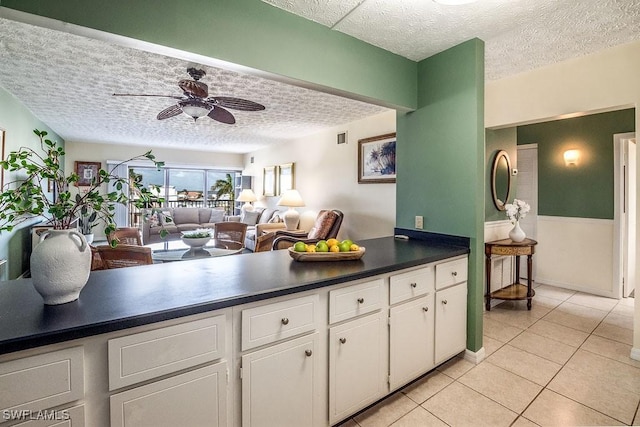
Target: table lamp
(247, 196)
(291, 199)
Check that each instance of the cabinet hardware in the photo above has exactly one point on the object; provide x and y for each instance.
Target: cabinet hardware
(308, 353)
(285, 321)
(454, 273)
(360, 300)
(414, 284)
(425, 308)
(444, 301)
(343, 340)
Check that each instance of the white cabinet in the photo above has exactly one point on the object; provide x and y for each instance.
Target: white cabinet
(280, 363)
(411, 337)
(195, 398)
(357, 365)
(357, 348)
(279, 383)
(42, 381)
(450, 309)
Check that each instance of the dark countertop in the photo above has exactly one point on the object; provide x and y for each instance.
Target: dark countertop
(124, 298)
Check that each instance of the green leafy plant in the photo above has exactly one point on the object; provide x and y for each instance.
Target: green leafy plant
(198, 233)
(30, 197)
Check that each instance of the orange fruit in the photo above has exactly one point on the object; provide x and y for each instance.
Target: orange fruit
(334, 248)
(354, 248)
(332, 242)
(311, 248)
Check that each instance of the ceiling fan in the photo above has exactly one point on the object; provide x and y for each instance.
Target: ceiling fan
(197, 103)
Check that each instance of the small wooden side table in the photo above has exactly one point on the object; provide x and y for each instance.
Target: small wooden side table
(515, 291)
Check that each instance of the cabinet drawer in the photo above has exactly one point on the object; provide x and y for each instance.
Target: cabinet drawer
(451, 272)
(273, 322)
(195, 398)
(147, 355)
(404, 286)
(355, 300)
(71, 417)
(43, 381)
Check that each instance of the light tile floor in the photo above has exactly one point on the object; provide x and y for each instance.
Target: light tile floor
(564, 363)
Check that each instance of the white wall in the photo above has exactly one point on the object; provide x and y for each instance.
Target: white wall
(603, 81)
(172, 157)
(326, 177)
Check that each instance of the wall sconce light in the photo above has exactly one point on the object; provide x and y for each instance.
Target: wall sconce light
(571, 157)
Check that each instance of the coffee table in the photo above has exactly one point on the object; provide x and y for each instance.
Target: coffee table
(177, 251)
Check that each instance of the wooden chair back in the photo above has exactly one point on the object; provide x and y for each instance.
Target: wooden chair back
(127, 236)
(230, 231)
(124, 256)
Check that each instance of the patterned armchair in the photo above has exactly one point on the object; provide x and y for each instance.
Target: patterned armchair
(326, 226)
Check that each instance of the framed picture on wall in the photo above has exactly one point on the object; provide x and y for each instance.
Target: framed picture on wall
(86, 172)
(269, 181)
(285, 177)
(377, 159)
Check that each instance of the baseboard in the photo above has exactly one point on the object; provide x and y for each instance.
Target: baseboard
(635, 353)
(601, 292)
(474, 357)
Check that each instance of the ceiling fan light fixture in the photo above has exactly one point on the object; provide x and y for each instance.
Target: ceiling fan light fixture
(454, 2)
(195, 108)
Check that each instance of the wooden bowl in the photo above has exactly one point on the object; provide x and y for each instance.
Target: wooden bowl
(326, 256)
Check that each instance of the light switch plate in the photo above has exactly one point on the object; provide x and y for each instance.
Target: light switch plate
(419, 222)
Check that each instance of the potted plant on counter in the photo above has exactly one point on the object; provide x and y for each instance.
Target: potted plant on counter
(61, 263)
(86, 222)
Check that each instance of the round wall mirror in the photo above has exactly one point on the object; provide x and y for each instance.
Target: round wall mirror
(501, 179)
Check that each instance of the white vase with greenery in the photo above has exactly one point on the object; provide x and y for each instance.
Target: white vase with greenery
(28, 197)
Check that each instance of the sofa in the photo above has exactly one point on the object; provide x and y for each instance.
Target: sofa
(261, 220)
(182, 219)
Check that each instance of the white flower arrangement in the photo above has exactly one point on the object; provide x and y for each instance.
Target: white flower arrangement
(517, 210)
(198, 233)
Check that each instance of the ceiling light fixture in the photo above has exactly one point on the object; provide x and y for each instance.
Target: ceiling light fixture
(454, 2)
(194, 108)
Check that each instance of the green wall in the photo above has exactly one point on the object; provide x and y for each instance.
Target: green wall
(496, 140)
(440, 155)
(585, 190)
(18, 124)
(250, 33)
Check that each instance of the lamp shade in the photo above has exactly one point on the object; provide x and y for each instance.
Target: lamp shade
(291, 198)
(247, 195)
(571, 157)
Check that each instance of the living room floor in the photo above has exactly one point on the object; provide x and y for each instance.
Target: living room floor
(564, 363)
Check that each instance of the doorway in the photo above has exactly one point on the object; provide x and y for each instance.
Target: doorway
(527, 190)
(624, 214)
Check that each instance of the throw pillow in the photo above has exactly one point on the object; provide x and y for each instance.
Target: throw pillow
(250, 218)
(323, 224)
(217, 215)
(275, 219)
(164, 217)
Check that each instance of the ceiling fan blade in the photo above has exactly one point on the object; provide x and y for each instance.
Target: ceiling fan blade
(159, 96)
(221, 115)
(174, 110)
(236, 103)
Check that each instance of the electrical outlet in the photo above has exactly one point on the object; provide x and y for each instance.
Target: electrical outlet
(419, 222)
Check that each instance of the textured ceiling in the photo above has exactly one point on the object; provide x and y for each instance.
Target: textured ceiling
(67, 80)
(519, 35)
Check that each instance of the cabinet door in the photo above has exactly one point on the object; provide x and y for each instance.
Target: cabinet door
(195, 398)
(451, 321)
(357, 369)
(410, 340)
(279, 383)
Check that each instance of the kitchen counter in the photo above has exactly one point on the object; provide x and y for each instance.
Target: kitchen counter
(123, 298)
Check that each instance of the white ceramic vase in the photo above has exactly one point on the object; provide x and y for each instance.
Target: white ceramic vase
(517, 234)
(60, 266)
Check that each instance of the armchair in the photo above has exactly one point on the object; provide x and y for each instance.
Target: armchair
(326, 226)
